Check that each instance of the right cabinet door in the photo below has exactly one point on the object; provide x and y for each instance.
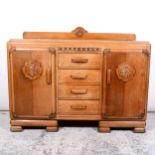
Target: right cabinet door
(126, 84)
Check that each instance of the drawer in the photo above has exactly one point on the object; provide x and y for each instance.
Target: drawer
(79, 92)
(78, 107)
(65, 76)
(76, 60)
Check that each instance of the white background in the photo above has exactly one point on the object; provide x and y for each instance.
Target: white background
(124, 16)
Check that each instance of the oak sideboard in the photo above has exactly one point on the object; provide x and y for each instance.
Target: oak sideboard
(78, 75)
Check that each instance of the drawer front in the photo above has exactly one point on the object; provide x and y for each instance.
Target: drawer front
(65, 76)
(73, 60)
(78, 107)
(79, 92)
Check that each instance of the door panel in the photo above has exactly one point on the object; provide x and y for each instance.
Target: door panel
(32, 86)
(125, 85)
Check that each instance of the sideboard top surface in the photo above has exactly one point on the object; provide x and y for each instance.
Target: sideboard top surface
(78, 43)
(79, 37)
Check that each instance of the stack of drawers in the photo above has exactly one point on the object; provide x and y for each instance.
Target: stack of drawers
(79, 77)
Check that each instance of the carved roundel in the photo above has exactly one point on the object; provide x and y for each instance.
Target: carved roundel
(32, 69)
(125, 72)
(79, 31)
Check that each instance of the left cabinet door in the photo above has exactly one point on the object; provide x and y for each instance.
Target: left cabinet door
(32, 83)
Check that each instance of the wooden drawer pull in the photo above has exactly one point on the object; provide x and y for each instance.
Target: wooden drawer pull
(79, 107)
(80, 77)
(79, 91)
(49, 76)
(108, 76)
(79, 60)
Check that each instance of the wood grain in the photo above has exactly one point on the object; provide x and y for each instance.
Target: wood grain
(31, 97)
(78, 76)
(79, 33)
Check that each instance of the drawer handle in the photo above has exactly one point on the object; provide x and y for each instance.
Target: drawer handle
(80, 77)
(79, 60)
(79, 91)
(49, 76)
(108, 76)
(79, 107)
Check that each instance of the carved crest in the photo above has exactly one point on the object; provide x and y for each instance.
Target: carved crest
(79, 31)
(32, 69)
(125, 72)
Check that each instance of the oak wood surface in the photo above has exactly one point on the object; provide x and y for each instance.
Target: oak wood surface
(78, 107)
(137, 126)
(78, 76)
(78, 92)
(129, 124)
(130, 99)
(79, 33)
(23, 122)
(81, 61)
(31, 97)
(139, 130)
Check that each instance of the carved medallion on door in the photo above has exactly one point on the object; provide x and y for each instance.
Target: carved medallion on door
(32, 69)
(125, 72)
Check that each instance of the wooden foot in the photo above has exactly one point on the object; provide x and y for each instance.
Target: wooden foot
(139, 130)
(102, 129)
(105, 126)
(51, 125)
(16, 128)
(51, 128)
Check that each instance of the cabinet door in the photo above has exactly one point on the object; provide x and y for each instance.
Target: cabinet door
(126, 83)
(32, 83)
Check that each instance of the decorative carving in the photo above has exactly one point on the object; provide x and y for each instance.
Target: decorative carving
(52, 115)
(13, 49)
(106, 51)
(82, 49)
(79, 31)
(105, 116)
(141, 115)
(14, 115)
(32, 69)
(52, 50)
(125, 72)
(145, 52)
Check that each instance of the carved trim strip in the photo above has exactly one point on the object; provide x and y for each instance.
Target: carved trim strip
(83, 49)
